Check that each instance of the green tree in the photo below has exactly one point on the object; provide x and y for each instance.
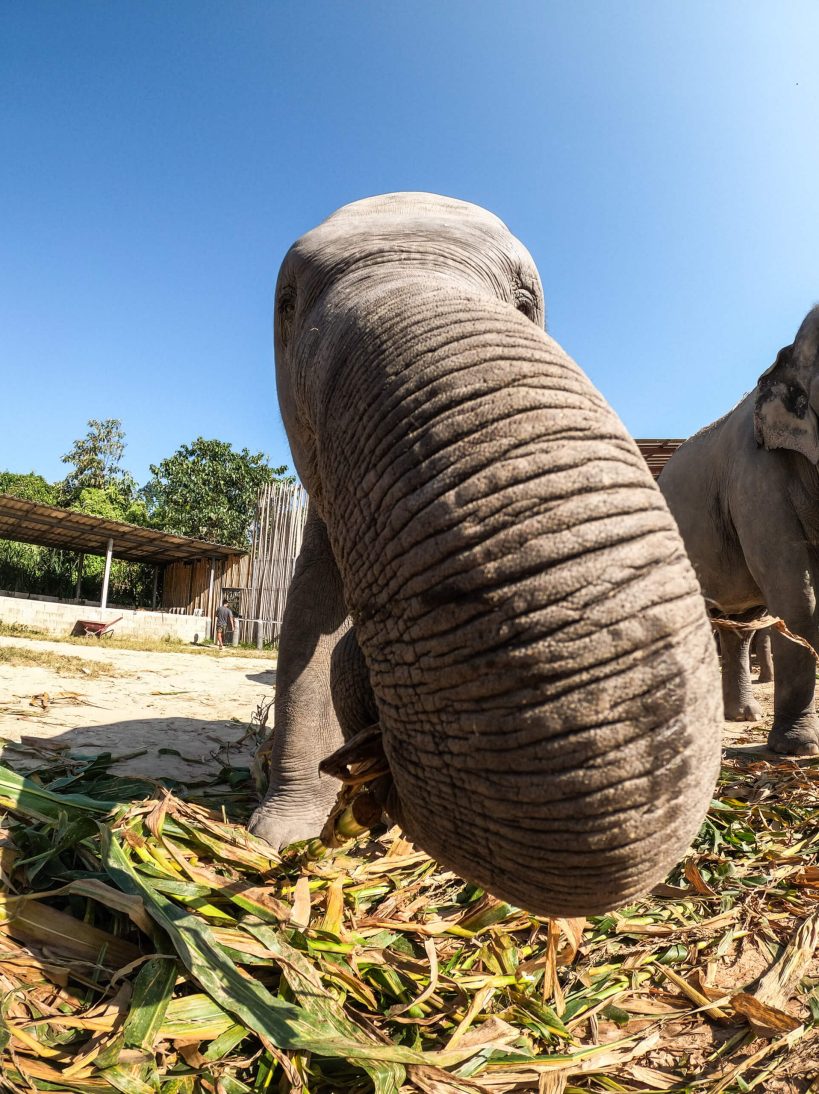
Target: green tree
(208, 490)
(110, 503)
(23, 566)
(51, 571)
(96, 459)
(31, 487)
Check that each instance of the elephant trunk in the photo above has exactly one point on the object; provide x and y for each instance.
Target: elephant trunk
(541, 660)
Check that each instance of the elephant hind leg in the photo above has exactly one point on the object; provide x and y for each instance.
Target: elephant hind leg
(737, 695)
(350, 687)
(764, 658)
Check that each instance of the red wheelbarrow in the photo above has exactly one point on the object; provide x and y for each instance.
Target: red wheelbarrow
(90, 626)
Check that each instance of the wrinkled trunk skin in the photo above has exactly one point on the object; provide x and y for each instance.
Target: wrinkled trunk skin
(544, 672)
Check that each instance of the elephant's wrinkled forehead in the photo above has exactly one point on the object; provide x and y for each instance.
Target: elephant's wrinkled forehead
(411, 205)
(426, 226)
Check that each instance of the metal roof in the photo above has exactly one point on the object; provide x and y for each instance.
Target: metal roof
(658, 453)
(49, 526)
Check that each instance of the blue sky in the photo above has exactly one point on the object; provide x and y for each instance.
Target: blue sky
(659, 159)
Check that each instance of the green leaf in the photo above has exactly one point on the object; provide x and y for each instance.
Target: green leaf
(153, 989)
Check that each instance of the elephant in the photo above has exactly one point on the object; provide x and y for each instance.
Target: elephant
(745, 494)
(491, 593)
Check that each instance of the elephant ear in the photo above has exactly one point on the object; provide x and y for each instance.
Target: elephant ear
(783, 416)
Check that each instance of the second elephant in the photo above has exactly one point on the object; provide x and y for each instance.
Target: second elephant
(745, 494)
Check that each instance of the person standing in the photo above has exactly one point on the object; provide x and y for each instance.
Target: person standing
(225, 621)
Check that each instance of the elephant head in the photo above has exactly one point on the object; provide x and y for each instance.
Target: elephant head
(786, 411)
(537, 648)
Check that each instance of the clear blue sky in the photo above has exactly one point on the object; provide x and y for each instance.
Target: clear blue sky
(660, 160)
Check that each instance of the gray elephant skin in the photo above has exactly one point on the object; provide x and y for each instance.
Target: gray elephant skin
(761, 647)
(528, 631)
(745, 494)
(736, 648)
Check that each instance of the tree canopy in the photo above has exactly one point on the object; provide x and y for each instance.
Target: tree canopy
(208, 490)
(110, 502)
(31, 487)
(97, 460)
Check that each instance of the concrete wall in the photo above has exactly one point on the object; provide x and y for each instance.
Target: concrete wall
(60, 617)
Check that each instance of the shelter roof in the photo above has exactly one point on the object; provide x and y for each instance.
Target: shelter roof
(657, 453)
(49, 526)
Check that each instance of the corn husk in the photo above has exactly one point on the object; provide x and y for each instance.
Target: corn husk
(154, 946)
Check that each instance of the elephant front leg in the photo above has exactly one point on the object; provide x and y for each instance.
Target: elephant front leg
(795, 730)
(737, 694)
(306, 728)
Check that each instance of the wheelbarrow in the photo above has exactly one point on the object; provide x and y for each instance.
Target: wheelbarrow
(91, 627)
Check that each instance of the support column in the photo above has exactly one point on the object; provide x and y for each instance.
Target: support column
(210, 598)
(153, 593)
(80, 563)
(109, 550)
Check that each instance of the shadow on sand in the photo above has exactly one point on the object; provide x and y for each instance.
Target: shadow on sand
(266, 676)
(206, 761)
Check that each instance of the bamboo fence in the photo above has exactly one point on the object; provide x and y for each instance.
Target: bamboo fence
(281, 511)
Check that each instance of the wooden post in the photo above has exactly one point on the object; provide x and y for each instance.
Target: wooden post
(153, 593)
(109, 550)
(210, 597)
(80, 563)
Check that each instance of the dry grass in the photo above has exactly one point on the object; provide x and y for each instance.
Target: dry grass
(56, 662)
(155, 947)
(146, 645)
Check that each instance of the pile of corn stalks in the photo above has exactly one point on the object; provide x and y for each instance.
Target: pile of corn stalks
(150, 945)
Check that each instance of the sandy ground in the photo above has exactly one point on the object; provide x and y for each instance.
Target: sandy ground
(751, 737)
(194, 703)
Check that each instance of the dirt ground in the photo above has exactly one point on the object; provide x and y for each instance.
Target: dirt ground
(193, 704)
(751, 736)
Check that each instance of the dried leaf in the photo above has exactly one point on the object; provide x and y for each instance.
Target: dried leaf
(765, 1020)
(300, 913)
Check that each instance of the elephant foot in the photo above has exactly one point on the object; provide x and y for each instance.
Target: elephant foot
(286, 817)
(747, 710)
(764, 678)
(799, 738)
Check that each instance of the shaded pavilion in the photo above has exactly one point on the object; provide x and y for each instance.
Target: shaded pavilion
(49, 526)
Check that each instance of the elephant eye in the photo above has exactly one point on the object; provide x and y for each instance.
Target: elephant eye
(525, 303)
(285, 311)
